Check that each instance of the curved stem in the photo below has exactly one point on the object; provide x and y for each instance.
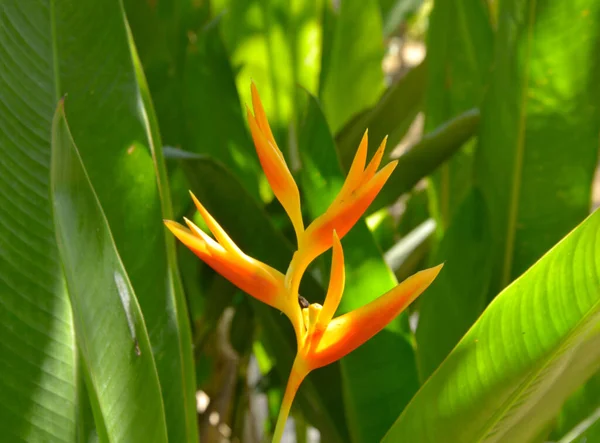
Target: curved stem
(298, 373)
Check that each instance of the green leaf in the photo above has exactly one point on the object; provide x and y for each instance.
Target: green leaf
(459, 293)
(391, 116)
(112, 123)
(275, 44)
(252, 230)
(38, 361)
(535, 343)
(214, 122)
(586, 431)
(406, 256)
(162, 31)
(425, 156)
(580, 410)
(109, 326)
(380, 376)
(539, 130)
(354, 76)
(459, 49)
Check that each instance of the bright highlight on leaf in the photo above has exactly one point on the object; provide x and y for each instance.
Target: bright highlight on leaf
(321, 338)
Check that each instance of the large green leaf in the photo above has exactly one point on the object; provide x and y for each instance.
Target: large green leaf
(379, 377)
(458, 295)
(539, 130)
(391, 116)
(535, 343)
(52, 48)
(353, 79)
(109, 326)
(460, 51)
(249, 226)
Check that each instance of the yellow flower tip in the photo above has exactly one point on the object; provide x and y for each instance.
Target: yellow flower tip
(222, 237)
(347, 332)
(343, 216)
(375, 162)
(260, 115)
(276, 170)
(196, 243)
(357, 168)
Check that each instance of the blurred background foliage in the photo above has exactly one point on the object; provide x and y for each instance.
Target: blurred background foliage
(492, 108)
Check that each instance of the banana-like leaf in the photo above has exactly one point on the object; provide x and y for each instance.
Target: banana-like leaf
(48, 49)
(109, 326)
(352, 84)
(459, 52)
(535, 343)
(459, 294)
(380, 376)
(539, 130)
(249, 226)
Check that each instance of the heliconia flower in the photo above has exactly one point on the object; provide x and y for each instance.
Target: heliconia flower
(257, 279)
(321, 338)
(273, 163)
(327, 339)
(359, 190)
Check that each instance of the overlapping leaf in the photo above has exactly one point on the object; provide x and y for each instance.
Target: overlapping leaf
(539, 130)
(109, 326)
(534, 344)
(48, 49)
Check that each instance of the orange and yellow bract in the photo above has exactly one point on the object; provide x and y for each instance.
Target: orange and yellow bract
(321, 338)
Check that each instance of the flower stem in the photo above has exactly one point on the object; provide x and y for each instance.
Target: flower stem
(298, 373)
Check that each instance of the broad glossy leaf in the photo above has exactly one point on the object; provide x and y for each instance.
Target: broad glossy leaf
(248, 225)
(109, 326)
(539, 130)
(426, 156)
(459, 52)
(535, 343)
(391, 116)
(459, 293)
(111, 123)
(380, 376)
(38, 361)
(354, 77)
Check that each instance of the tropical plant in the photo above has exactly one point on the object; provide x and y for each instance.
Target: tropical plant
(110, 112)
